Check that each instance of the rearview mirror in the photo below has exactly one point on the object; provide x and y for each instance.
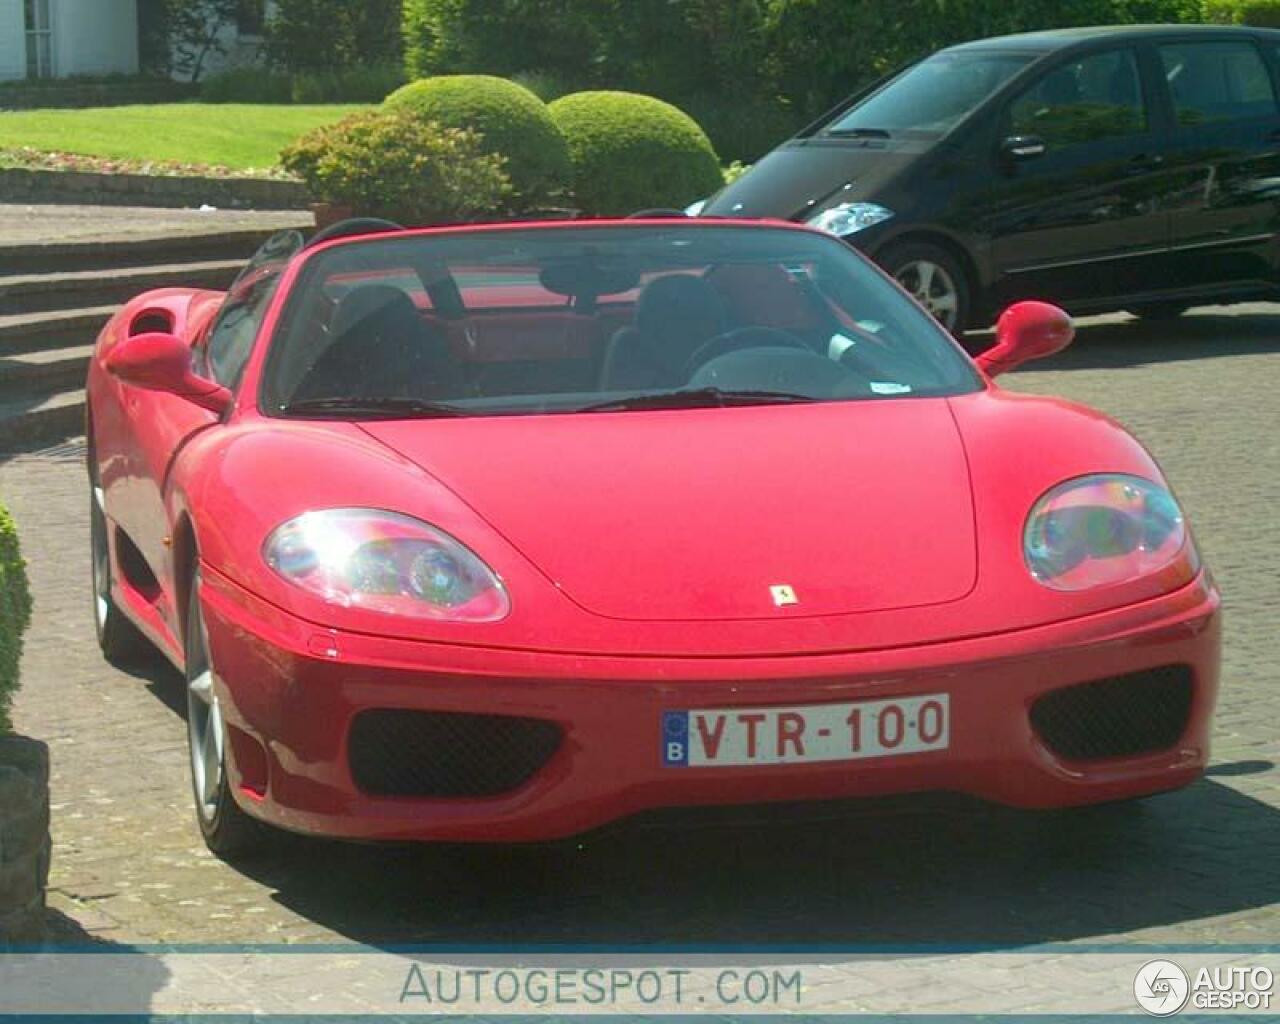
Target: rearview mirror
(162, 362)
(1020, 148)
(1026, 331)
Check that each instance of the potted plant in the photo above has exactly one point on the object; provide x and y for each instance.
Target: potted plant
(24, 767)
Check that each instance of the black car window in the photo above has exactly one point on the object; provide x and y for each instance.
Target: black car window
(231, 337)
(1217, 82)
(1096, 97)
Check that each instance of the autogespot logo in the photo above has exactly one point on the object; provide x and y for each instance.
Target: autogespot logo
(1161, 988)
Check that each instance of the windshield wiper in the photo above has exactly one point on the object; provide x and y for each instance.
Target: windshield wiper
(859, 133)
(698, 398)
(374, 408)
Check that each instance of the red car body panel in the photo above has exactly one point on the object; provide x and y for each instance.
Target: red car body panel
(639, 548)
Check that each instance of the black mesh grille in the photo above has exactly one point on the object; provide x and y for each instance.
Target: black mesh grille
(1119, 717)
(428, 753)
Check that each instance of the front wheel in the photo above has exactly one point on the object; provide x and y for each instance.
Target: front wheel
(934, 278)
(227, 830)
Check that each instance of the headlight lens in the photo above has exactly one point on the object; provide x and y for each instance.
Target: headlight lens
(1100, 530)
(695, 209)
(849, 218)
(386, 562)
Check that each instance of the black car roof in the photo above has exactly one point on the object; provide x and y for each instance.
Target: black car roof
(1062, 38)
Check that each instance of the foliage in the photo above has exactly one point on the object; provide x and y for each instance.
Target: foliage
(743, 127)
(632, 152)
(255, 84)
(397, 165)
(198, 30)
(325, 36)
(735, 171)
(1264, 13)
(250, 84)
(512, 120)
(15, 613)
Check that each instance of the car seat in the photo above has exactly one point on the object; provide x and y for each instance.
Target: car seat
(675, 315)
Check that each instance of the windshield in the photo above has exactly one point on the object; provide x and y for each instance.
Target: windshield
(565, 320)
(930, 97)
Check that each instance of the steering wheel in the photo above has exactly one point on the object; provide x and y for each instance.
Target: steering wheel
(738, 340)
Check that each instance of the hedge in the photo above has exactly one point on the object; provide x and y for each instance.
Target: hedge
(1263, 13)
(633, 152)
(15, 613)
(512, 121)
(398, 166)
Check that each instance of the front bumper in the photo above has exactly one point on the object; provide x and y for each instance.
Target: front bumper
(291, 691)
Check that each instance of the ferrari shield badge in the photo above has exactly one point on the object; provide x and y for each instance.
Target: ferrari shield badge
(783, 595)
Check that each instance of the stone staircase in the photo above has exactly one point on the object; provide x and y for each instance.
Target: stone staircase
(54, 299)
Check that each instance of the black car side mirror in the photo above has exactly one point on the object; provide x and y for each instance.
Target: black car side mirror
(1019, 148)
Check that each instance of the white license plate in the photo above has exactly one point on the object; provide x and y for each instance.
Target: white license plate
(806, 734)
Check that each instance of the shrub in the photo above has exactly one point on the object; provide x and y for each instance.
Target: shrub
(631, 152)
(512, 120)
(15, 613)
(1263, 13)
(370, 84)
(743, 127)
(329, 35)
(247, 85)
(402, 167)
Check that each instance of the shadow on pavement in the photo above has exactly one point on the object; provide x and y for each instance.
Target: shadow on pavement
(1135, 342)
(935, 871)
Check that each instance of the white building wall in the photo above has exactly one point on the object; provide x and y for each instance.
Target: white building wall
(13, 40)
(94, 37)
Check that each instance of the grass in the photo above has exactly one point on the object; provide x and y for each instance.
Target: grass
(236, 135)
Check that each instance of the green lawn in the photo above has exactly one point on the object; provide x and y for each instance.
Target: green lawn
(230, 134)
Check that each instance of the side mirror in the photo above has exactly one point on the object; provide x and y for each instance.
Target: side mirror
(162, 362)
(1020, 148)
(1026, 331)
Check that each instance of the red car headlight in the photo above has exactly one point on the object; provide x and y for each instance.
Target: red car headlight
(1101, 530)
(386, 562)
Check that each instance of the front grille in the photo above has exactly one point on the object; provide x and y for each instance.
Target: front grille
(437, 754)
(1140, 713)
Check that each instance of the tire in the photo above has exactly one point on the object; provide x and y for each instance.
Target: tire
(227, 830)
(935, 278)
(1160, 310)
(120, 640)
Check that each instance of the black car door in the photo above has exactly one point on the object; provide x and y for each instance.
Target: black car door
(1226, 153)
(1085, 220)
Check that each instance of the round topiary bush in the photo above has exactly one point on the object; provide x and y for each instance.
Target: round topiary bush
(398, 166)
(633, 152)
(510, 119)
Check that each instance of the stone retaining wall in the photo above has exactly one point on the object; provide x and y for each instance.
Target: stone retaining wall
(91, 189)
(24, 839)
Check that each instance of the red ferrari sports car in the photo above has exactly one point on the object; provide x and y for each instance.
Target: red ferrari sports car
(505, 532)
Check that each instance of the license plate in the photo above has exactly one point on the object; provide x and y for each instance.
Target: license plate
(806, 734)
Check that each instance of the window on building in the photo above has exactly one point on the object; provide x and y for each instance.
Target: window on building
(39, 39)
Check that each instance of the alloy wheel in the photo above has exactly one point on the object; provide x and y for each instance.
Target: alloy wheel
(933, 287)
(205, 729)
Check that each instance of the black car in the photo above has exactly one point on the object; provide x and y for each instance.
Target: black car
(1112, 168)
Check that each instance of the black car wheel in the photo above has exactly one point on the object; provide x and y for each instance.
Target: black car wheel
(934, 278)
(119, 638)
(227, 830)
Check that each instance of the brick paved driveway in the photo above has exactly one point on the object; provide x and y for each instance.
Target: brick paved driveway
(1200, 865)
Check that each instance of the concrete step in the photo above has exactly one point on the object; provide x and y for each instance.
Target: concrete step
(42, 417)
(30, 332)
(57, 257)
(33, 293)
(44, 368)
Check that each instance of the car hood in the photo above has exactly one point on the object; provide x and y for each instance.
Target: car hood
(802, 177)
(700, 514)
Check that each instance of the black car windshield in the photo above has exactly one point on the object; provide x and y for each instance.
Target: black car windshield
(597, 319)
(930, 97)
